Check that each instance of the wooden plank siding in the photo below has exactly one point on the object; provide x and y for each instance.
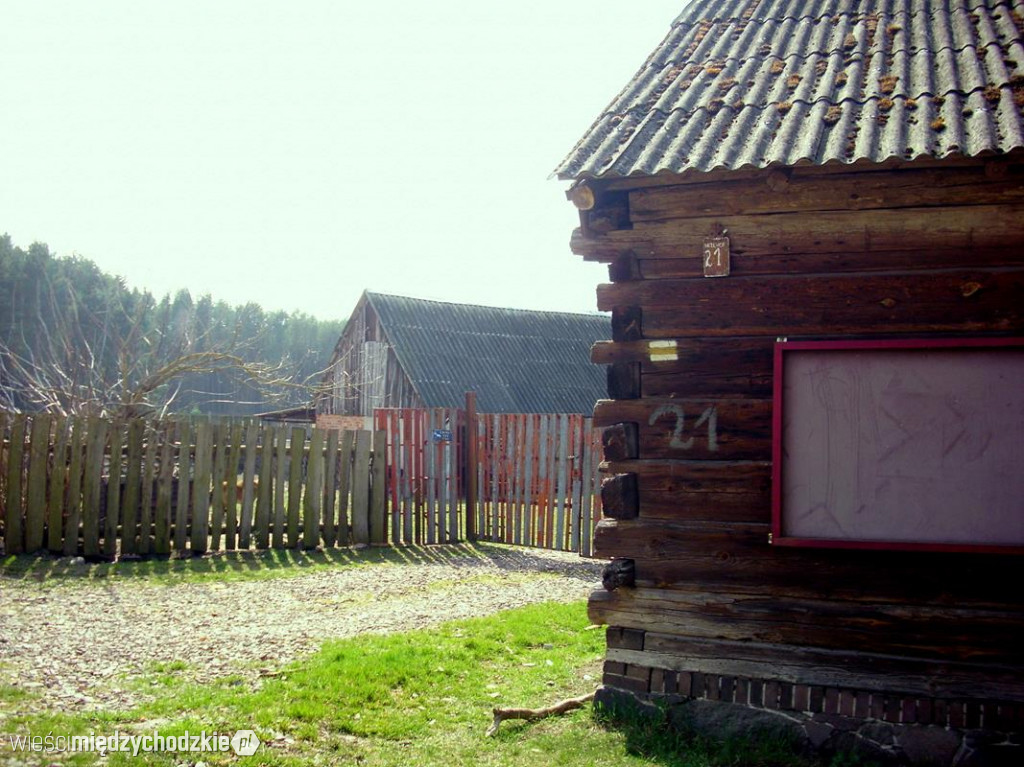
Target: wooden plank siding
(914, 250)
(357, 384)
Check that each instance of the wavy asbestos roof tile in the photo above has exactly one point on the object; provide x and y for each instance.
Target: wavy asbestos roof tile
(761, 82)
(516, 360)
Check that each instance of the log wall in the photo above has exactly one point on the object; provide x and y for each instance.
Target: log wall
(905, 249)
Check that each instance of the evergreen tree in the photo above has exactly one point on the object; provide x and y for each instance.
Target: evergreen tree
(75, 339)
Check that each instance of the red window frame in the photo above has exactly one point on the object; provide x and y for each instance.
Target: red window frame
(782, 347)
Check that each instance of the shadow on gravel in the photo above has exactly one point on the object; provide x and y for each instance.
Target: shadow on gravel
(245, 565)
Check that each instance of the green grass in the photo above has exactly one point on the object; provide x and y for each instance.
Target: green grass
(420, 698)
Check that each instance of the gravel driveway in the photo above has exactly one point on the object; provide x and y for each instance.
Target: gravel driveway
(80, 642)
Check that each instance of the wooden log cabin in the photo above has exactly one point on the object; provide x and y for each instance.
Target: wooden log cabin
(847, 173)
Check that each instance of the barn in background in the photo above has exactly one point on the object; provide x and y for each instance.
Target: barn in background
(847, 173)
(398, 352)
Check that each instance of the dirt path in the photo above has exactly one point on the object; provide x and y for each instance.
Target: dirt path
(81, 642)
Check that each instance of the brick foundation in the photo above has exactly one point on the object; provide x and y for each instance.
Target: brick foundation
(890, 728)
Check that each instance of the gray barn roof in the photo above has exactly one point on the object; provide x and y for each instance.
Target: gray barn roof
(751, 83)
(517, 361)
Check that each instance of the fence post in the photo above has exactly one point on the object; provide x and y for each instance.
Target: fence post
(181, 514)
(252, 435)
(165, 490)
(296, 449)
(470, 469)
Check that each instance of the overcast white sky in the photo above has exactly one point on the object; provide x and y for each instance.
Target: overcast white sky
(296, 153)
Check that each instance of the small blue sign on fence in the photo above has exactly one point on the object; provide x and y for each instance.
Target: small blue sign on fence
(442, 435)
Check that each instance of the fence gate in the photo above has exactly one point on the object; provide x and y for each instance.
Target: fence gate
(537, 480)
(537, 477)
(424, 486)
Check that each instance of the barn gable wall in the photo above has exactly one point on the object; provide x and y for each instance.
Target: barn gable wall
(365, 372)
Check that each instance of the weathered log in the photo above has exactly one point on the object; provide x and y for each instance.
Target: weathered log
(805, 232)
(825, 304)
(854, 669)
(968, 634)
(725, 557)
(834, 263)
(623, 380)
(624, 269)
(696, 367)
(908, 187)
(716, 491)
(627, 323)
(698, 429)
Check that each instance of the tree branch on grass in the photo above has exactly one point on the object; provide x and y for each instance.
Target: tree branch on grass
(532, 714)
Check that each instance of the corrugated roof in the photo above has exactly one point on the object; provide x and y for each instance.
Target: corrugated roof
(752, 83)
(517, 361)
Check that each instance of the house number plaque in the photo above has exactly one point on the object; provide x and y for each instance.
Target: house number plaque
(716, 256)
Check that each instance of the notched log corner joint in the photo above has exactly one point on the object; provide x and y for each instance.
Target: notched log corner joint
(619, 572)
(627, 323)
(626, 268)
(624, 380)
(609, 211)
(621, 441)
(619, 496)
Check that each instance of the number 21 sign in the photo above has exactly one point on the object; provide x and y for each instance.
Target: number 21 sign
(716, 256)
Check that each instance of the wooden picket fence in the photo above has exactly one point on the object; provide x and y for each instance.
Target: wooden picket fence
(424, 474)
(99, 489)
(537, 481)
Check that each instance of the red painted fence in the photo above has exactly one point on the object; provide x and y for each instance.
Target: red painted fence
(537, 477)
(424, 470)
